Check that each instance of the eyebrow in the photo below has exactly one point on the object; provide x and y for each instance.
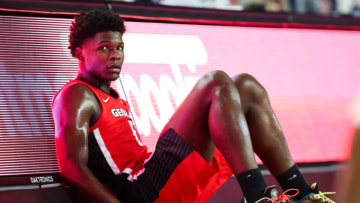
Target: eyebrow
(105, 41)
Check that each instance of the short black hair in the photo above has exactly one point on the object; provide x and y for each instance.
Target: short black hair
(89, 23)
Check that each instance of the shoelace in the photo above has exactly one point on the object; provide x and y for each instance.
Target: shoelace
(283, 198)
(322, 195)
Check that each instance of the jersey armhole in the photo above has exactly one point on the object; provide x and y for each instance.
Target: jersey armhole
(93, 125)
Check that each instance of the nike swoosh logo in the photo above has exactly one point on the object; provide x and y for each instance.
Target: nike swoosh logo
(106, 100)
(293, 177)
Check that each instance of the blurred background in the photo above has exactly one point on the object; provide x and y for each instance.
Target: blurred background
(317, 7)
(305, 53)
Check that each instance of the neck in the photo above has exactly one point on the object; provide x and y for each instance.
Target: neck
(103, 85)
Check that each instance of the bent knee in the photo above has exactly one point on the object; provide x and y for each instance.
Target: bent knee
(218, 84)
(250, 89)
(216, 78)
(217, 75)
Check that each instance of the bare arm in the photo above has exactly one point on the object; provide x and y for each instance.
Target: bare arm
(73, 110)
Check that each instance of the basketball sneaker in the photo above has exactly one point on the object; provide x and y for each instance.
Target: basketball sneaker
(270, 196)
(315, 196)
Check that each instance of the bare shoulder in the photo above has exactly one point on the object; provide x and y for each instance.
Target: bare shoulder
(75, 99)
(75, 91)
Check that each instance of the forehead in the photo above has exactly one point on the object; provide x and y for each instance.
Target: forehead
(108, 36)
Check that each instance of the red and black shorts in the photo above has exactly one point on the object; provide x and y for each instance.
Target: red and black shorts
(175, 173)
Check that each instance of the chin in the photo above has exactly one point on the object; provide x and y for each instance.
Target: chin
(113, 78)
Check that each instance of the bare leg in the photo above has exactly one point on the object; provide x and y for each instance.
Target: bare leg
(212, 114)
(266, 134)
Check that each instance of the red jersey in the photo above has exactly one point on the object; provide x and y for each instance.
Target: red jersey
(115, 135)
(175, 173)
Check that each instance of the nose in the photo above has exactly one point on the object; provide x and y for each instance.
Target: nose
(115, 55)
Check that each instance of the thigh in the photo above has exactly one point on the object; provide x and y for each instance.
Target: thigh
(190, 120)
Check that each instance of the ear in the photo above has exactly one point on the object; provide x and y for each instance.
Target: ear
(79, 54)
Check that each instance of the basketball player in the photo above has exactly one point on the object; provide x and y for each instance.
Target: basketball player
(100, 153)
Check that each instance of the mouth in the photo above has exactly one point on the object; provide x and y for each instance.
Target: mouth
(114, 68)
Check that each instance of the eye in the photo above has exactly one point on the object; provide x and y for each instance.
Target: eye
(119, 48)
(103, 48)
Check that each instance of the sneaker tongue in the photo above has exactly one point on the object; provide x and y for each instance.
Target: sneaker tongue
(271, 192)
(314, 188)
(274, 193)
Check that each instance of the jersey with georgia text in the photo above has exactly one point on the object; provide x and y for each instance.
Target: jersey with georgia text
(114, 144)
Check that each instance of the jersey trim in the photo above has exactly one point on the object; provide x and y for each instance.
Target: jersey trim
(106, 152)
